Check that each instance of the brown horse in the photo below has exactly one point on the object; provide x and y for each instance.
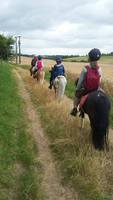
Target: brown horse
(40, 75)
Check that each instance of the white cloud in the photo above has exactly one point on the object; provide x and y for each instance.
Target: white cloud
(59, 26)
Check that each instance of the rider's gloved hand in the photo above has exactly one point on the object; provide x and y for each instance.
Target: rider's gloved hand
(74, 112)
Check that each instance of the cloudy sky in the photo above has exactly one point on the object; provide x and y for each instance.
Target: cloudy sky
(59, 27)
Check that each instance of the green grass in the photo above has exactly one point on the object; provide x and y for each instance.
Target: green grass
(107, 59)
(19, 170)
(77, 59)
(85, 58)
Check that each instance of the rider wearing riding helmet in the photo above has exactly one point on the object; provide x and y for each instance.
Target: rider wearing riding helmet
(39, 63)
(89, 79)
(56, 70)
(38, 66)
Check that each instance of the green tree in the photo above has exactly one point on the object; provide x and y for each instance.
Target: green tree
(6, 46)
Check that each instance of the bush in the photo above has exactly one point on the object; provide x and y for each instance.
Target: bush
(6, 47)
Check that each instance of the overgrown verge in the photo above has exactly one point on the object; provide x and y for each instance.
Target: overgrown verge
(19, 170)
(88, 171)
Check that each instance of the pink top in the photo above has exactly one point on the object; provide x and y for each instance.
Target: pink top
(39, 65)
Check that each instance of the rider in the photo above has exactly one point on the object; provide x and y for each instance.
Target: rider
(56, 70)
(39, 63)
(38, 66)
(89, 79)
(33, 63)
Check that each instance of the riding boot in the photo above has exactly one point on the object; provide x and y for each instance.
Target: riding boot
(74, 112)
(76, 103)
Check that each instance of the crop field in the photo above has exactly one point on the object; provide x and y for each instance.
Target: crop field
(106, 64)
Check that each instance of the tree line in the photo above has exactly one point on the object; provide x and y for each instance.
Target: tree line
(6, 47)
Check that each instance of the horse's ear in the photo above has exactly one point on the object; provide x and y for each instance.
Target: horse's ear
(76, 81)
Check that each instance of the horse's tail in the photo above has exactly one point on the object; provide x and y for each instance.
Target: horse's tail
(40, 76)
(60, 84)
(100, 122)
(98, 138)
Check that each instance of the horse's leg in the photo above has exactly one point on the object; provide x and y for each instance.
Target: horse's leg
(82, 123)
(106, 140)
(37, 76)
(42, 77)
(55, 85)
(30, 71)
(55, 91)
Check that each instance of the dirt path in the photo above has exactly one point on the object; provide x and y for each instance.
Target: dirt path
(51, 179)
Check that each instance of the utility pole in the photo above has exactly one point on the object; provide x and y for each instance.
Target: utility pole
(19, 44)
(16, 51)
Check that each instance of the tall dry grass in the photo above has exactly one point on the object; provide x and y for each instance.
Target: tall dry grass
(88, 171)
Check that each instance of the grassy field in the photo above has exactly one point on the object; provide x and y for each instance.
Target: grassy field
(105, 59)
(77, 59)
(19, 171)
(106, 63)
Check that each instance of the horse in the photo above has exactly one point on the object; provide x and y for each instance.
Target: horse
(40, 75)
(59, 85)
(97, 107)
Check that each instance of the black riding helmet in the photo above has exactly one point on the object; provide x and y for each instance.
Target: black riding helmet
(58, 59)
(39, 57)
(94, 54)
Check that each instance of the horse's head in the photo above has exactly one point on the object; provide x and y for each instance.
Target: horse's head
(97, 106)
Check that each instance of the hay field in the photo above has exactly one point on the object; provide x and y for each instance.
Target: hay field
(75, 67)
